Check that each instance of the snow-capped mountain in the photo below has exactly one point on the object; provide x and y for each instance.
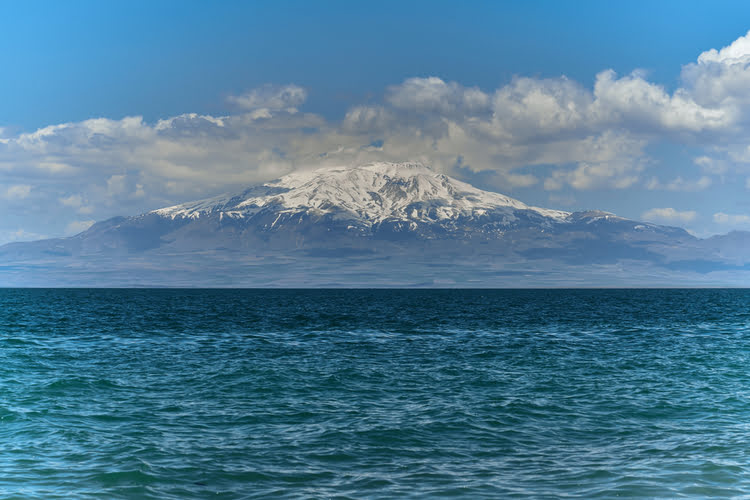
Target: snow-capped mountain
(370, 194)
(382, 223)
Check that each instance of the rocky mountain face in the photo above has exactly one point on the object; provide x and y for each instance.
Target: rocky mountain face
(378, 224)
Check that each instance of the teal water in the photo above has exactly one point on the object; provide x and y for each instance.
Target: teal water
(374, 394)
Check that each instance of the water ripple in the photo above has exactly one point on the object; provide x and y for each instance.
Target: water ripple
(382, 394)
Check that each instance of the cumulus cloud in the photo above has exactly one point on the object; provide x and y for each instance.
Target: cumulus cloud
(720, 78)
(609, 160)
(640, 105)
(669, 215)
(432, 94)
(367, 119)
(269, 98)
(530, 110)
(616, 174)
(553, 132)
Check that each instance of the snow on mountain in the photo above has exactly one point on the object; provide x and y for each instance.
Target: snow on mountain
(369, 193)
(378, 224)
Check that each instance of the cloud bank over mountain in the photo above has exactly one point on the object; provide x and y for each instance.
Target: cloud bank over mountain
(552, 134)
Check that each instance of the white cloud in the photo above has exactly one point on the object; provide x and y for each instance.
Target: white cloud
(720, 78)
(532, 110)
(74, 201)
(669, 215)
(17, 192)
(554, 132)
(435, 95)
(610, 160)
(731, 219)
(613, 175)
(736, 51)
(270, 98)
(711, 166)
(680, 184)
(367, 119)
(639, 105)
(594, 139)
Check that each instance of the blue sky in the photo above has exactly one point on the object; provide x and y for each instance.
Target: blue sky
(116, 108)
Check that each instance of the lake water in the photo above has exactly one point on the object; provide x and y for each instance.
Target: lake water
(374, 393)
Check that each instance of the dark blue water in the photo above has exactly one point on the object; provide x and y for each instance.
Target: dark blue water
(374, 394)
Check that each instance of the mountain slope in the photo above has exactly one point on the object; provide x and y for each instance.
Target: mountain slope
(377, 223)
(372, 193)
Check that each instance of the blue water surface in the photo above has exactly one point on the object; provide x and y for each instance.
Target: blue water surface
(374, 393)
